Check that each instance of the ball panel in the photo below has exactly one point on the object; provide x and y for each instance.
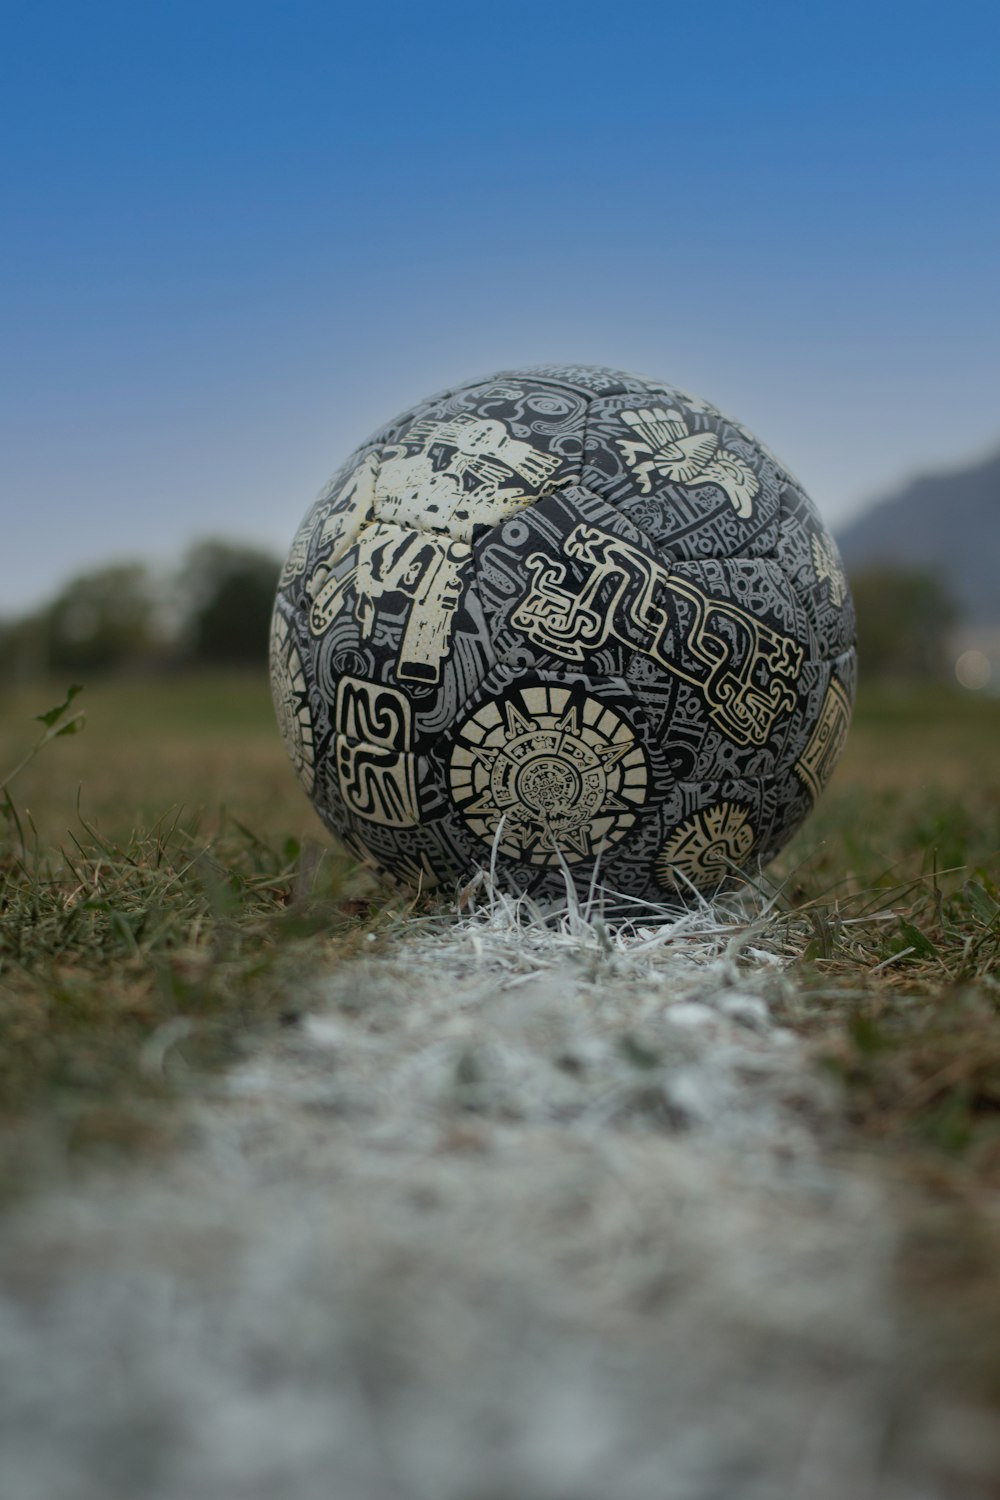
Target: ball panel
(706, 832)
(694, 483)
(394, 431)
(565, 761)
(417, 863)
(548, 768)
(545, 604)
(399, 611)
(742, 649)
(382, 799)
(706, 848)
(805, 771)
(478, 396)
(480, 455)
(341, 509)
(590, 380)
(809, 556)
(571, 582)
(290, 695)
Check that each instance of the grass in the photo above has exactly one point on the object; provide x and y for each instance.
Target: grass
(203, 744)
(170, 870)
(896, 876)
(165, 886)
(892, 893)
(146, 924)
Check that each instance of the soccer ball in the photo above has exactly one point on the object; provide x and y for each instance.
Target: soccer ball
(565, 623)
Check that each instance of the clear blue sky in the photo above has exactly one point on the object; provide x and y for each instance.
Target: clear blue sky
(239, 235)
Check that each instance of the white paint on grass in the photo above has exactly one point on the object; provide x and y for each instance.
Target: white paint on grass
(522, 1208)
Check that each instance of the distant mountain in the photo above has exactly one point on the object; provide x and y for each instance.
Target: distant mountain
(948, 522)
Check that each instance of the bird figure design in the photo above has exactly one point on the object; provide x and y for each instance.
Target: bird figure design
(664, 446)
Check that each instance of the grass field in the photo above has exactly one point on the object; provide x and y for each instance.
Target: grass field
(166, 886)
(174, 870)
(162, 869)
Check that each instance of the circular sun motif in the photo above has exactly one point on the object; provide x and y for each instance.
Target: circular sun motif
(706, 848)
(561, 769)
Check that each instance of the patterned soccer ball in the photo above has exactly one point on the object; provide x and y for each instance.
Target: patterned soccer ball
(571, 621)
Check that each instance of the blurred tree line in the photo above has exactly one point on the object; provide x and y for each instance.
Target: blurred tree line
(214, 611)
(905, 621)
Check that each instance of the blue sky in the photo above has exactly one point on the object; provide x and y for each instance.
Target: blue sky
(238, 236)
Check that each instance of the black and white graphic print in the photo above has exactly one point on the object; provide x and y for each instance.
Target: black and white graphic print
(571, 617)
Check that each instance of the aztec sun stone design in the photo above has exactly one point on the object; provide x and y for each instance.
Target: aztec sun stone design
(549, 775)
(569, 624)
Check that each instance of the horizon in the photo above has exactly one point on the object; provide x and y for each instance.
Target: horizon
(244, 237)
(163, 563)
